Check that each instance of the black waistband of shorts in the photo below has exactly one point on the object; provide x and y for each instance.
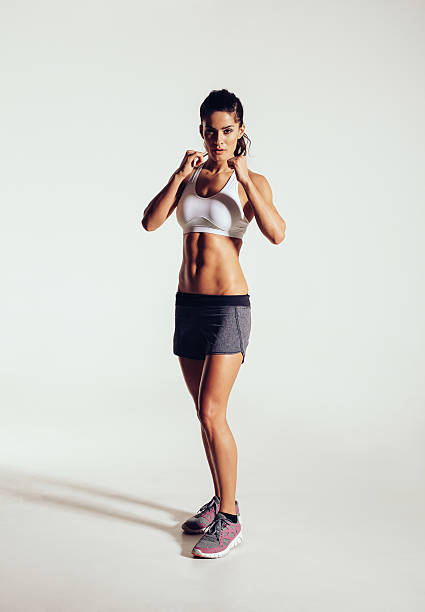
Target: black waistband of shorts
(207, 299)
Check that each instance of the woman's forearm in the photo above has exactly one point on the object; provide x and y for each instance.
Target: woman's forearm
(159, 207)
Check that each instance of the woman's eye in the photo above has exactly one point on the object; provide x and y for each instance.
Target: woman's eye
(225, 131)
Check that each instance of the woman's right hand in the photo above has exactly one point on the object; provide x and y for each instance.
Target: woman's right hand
(192, 159)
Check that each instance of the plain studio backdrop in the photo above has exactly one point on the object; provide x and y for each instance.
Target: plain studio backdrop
(100, 448)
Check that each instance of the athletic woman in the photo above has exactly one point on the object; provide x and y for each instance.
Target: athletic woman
(216, 199)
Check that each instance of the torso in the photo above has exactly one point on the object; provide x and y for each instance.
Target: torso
(210, 261)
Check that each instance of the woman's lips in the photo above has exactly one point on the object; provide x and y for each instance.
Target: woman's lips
(219, 150)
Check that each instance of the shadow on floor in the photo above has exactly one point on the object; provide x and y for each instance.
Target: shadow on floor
(29, 486)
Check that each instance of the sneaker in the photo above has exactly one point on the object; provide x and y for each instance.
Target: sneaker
(205, 516)
(219, 538)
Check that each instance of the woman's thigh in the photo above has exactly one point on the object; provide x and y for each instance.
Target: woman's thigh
(210, 380)
(192, 373)
(218, 376)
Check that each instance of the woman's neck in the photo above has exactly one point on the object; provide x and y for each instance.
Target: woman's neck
(216, 167)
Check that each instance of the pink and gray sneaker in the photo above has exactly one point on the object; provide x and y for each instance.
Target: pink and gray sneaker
(219, 538)
(205, 516)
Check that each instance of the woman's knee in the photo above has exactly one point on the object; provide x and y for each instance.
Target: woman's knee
(211, 414)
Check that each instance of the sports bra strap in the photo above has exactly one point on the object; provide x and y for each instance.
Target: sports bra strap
(195, 174)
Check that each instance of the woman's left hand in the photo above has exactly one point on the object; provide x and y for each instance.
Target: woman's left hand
(239, 164)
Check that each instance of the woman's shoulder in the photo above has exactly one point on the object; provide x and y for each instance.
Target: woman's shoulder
(258, 179)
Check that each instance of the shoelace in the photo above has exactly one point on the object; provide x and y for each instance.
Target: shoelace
(214, 530)
(206, 506)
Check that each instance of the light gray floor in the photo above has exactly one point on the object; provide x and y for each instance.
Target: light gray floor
(91, 508)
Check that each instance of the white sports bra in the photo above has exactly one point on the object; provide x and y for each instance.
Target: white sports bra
(221, 213)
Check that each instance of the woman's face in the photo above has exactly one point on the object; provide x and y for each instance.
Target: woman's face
(220, 132)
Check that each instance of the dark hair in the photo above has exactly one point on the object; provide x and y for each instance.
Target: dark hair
(223, 100)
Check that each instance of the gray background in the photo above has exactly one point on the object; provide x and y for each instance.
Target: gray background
(100, 450)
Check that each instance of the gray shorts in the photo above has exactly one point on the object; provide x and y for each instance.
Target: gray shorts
(211, 324)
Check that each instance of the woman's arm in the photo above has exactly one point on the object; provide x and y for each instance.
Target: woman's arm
(162, 205)
(260, 196)
(160, 208)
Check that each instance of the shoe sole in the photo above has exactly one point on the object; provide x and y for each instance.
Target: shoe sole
(237, 540)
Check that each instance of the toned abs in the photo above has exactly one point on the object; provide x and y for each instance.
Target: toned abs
(211, 265)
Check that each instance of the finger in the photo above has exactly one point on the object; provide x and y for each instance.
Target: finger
(197, 159)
